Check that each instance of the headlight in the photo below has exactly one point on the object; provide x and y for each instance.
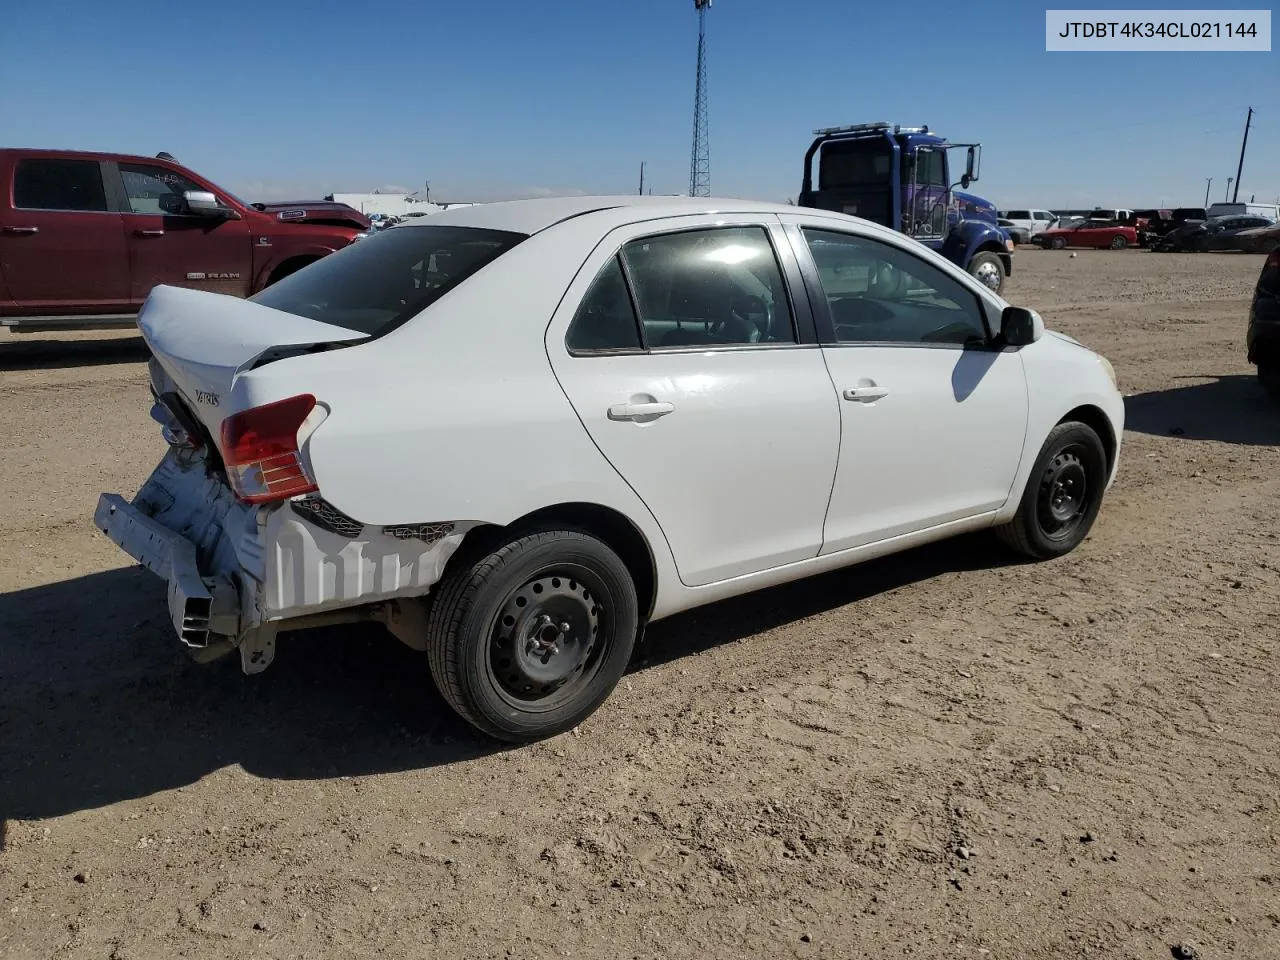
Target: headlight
(1111, 371)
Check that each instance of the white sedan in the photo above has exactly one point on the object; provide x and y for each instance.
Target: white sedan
(516, 433)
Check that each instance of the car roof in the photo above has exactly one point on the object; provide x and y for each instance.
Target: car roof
(85, 155)
(532, 216)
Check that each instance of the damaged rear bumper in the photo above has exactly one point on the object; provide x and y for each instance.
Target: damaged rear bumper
(237, 573)
(197, 607)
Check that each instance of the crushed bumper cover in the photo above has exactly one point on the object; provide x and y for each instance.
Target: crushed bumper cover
(237, 573)
(198, 608)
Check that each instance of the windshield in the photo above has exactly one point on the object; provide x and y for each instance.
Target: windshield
(383, 280)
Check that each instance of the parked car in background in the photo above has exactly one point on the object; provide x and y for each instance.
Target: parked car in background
(1030, 222)
(1019, 235)
(1169, 221)
(1214, 234)
(342, 444)
(1101, 234)
(85, 236)
(1260, 239)
(1262, 342)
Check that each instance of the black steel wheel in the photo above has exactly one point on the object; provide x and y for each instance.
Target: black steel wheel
(528, 640)
(1062, 496)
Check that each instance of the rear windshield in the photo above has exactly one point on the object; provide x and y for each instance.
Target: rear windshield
(383, 280)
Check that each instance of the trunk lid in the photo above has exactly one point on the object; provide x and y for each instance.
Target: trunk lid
(206, 341)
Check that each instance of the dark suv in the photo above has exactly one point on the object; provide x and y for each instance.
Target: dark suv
(1263, 338)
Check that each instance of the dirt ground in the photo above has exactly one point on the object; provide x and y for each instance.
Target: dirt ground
(940, 754)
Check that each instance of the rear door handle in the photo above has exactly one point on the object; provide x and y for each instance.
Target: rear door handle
(865, 394)
(21, 229)
(148, 233)
(640, 411)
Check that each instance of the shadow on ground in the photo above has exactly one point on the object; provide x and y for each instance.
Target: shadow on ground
(99, 705)
(1231, 409)
(31, 354)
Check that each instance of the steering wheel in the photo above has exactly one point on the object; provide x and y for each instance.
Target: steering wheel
(957, 332)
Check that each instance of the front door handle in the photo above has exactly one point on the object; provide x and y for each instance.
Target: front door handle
(21, 229)
(148, 233)
(865, 394)
(640, 411)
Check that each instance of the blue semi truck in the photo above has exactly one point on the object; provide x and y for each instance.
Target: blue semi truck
(900, 177)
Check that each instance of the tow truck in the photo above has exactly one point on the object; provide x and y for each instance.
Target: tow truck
(900, 177)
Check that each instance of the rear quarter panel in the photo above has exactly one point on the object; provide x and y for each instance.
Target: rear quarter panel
(457, 416)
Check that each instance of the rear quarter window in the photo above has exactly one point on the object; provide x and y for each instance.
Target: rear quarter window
(382, 281)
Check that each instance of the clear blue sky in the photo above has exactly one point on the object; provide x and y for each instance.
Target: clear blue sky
(485, 100)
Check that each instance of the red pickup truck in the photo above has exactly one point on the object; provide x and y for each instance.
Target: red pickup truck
(85, 236)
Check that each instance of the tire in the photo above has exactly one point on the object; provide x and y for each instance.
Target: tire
(1057, 243)
(1072, 453)
(1269, 377)
(1119, 242)
(495, 634)
(290, 267)
(989, 269)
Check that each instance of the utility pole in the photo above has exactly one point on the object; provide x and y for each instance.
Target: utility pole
(1243, 143)
(1227, 192)
(1208, 182)
(642, 178)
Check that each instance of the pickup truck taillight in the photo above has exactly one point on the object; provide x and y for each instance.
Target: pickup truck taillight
(262, 454)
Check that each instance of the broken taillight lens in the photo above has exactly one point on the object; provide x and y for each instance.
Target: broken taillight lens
(262, 454)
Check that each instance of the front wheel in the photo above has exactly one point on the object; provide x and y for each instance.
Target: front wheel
(528, 640)
(989, 269)
(1057, 243)
(1062, 496)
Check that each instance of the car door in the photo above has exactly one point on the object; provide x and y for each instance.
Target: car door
(698, 376)
(167, 244)
(933, 417)
(62, 247)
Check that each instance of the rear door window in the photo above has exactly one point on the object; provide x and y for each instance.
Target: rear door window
(381, 281)
(59, 184)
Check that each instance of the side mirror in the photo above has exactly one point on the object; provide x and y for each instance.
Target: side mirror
(202, 203)
(971, 161)
(1019, 327)
(965, 181)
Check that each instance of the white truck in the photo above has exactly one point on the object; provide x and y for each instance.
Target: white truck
(1224, 209)
(1030, 222)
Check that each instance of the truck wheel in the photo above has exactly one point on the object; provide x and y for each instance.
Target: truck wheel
(1062, 496)
(290, 267)
(989, 270)
(526, 641)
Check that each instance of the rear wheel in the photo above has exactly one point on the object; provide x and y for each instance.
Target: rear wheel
(1119, 242)
(989, 270)
(1062, 496)
(528, 640)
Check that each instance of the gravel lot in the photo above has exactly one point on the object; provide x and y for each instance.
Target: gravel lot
(940, 754)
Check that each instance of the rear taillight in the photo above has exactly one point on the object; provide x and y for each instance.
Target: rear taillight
(261, 451)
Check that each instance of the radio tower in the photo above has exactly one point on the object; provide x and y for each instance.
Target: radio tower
(700, 171)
